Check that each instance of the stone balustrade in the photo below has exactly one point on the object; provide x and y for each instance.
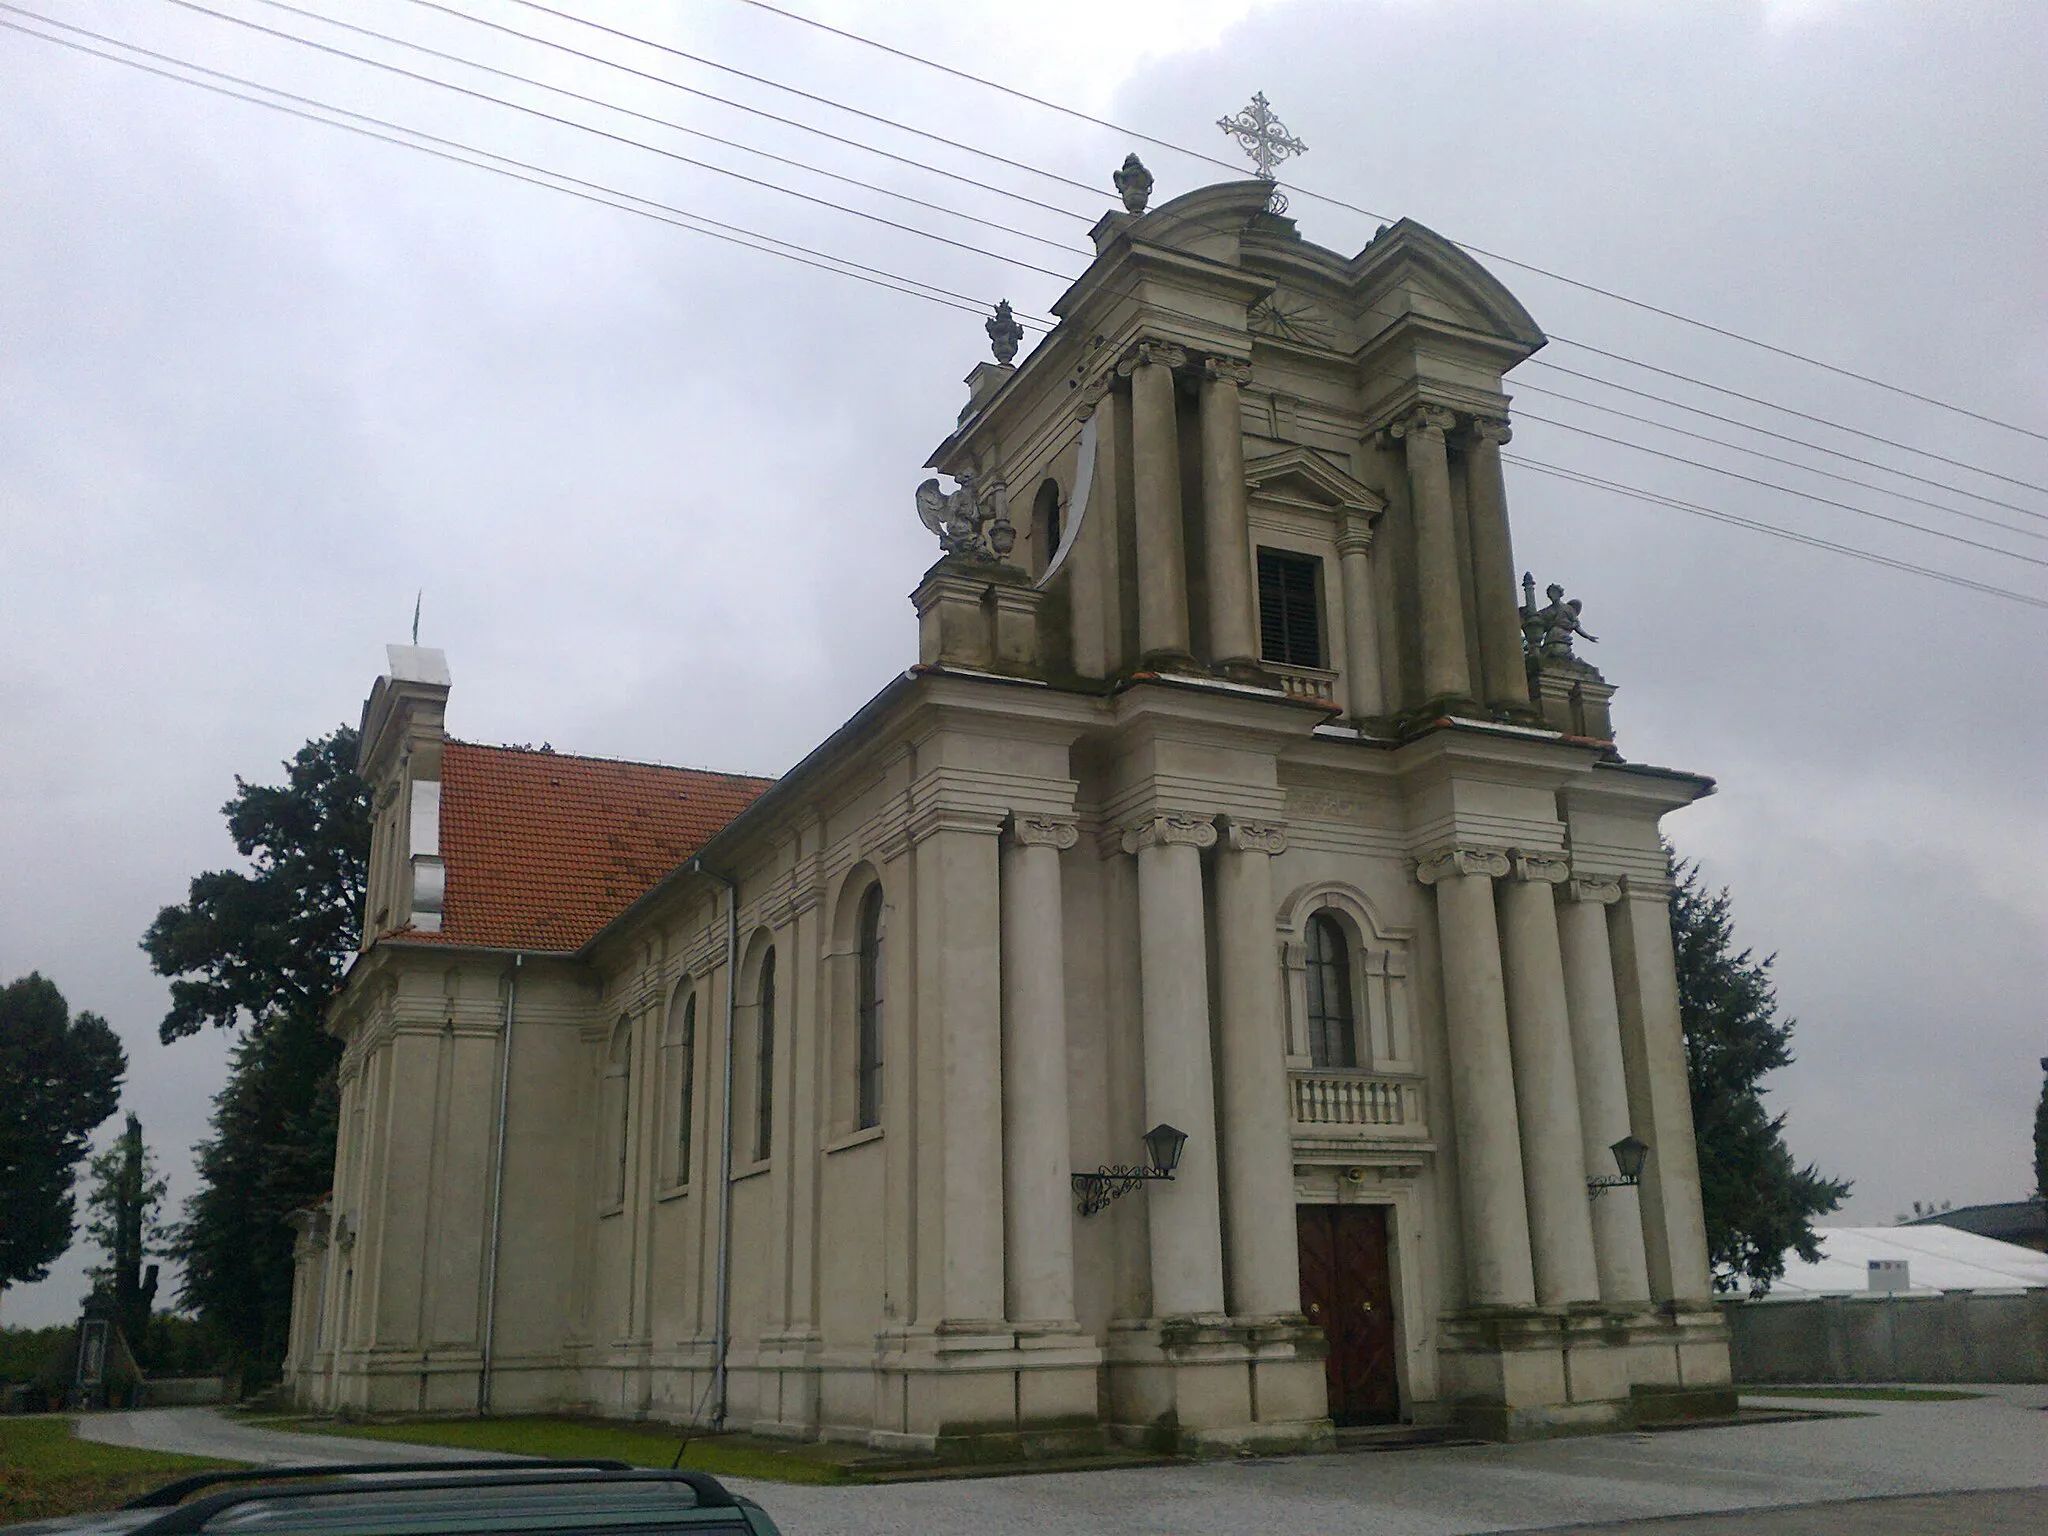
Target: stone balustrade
(1338, 1101)
(1316, 684)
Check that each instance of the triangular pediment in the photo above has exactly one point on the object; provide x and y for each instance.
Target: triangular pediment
(1303, 476)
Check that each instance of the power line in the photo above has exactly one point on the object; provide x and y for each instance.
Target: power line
(986, 154)
(1559, 277)
(894, 282)
(619, 138)
(777, 85)
(1715, 514)
(453, 150)
(1747, 426)
(1772, 485)
(1810, 469)
(595, 101)
(1823, 421)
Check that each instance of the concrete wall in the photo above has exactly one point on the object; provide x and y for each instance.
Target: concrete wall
(1957, 1336)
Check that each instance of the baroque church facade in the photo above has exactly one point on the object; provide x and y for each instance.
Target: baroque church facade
(1192, 1007)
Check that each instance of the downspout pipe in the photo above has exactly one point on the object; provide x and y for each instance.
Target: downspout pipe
(483, 1375)
(722, 1323)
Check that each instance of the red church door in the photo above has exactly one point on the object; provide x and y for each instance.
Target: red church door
(1347, 1290)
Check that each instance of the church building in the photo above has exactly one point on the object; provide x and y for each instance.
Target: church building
(1223, 991)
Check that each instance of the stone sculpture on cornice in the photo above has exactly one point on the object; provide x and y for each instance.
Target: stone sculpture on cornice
(963, 524)
(1004, 333)
(1547, 632)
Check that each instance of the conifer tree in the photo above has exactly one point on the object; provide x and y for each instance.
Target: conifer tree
(2041, 1137)
(1759, 1203)
(125, 1197)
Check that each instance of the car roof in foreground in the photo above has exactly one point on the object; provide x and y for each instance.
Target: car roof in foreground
(423, 1500)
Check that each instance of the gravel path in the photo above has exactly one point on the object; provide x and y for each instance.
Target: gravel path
(1997, 1442)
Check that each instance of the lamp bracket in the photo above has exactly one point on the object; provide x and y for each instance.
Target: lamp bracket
(1111, 1181)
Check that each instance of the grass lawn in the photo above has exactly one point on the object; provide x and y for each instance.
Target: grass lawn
(642, 1445)
(1868, 1394)
(44, 1471)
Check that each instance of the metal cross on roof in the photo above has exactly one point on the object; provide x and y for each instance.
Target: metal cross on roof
(1265, 138)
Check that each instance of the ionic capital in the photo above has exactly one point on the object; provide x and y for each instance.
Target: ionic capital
(1253, 837)
(1542, 868)
(1448, 862)
(1151, 351)
(1172, 830)
(1603, 890)
(1421, 420)
(1354, 534)
(1492, 429)
(1227, 370)
(1030, 830)
(1090, 393)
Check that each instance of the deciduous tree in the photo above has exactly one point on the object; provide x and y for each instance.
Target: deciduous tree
(59, 1078)
(262, 950)
(1759, 1203)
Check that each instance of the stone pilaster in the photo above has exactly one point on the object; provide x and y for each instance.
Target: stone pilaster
(1186, 1234)
(1546, 1083)
(1233, 627)
(1258, 1151)
(1603, 1082)
(1446, 670)
(1363, 694)
(1155, 477)
(1504, 678)
(1038, 1205)
(1499, 1271)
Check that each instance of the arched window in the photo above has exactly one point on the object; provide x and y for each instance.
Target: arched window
(868, 1012)
(618, 1101)
(683, 1083)
(1332, 1040)
(764, 1062)
(1045, 523)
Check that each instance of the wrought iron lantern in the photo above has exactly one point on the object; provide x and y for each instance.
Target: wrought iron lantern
(1630, 1153)
(1163, 1144)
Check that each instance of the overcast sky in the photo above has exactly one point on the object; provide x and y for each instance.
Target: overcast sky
(261, 380)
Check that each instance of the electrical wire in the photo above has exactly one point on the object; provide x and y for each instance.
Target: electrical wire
(1750, 426)
(631, 143)
(562, 15)
(457, 152)
(1722, 442)
(1772, 485)
(453, 150)
(1715, 514)
(1338, 202)
(595, 101)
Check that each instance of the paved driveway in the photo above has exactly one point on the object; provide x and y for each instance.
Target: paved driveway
(202, 1432)
(1802, 1470)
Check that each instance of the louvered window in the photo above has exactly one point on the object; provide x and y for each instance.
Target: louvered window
(1290, 617)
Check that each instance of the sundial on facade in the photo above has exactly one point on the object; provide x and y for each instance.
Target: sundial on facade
(1265, 139)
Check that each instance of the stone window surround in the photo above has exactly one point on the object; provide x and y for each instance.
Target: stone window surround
(1382, 1004)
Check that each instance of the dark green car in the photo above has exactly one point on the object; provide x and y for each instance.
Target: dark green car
(438, 1498)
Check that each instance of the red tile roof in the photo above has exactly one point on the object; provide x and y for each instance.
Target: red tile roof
(543, 849)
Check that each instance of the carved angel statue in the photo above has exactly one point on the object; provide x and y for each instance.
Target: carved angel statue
(1547, 632)
(963, 526)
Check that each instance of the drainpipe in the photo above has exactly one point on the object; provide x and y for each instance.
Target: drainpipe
(483, 1375)
(722, 1333)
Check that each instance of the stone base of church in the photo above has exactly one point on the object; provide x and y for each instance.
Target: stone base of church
(986, 1390)
(1213, 1386)
(1529, 1373)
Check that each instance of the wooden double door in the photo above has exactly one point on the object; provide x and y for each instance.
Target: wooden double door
(1347, 1290)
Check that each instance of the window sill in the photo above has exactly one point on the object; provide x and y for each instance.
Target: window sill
(752, 1170)
(673, 1191)
(611, 1208)
(859, 1138)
